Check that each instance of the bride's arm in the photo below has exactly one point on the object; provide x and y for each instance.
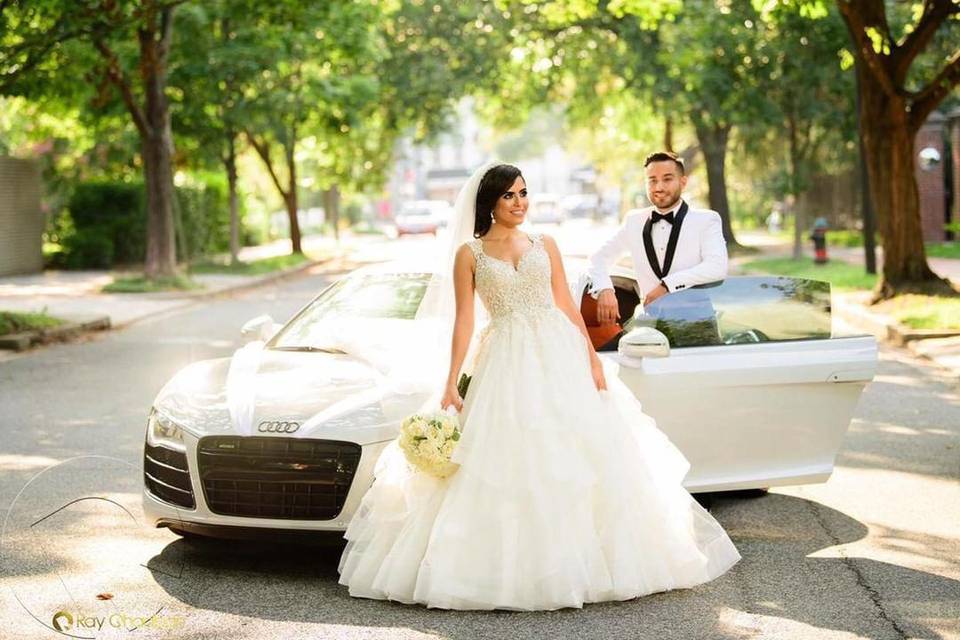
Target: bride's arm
(563, 299)
(463, 286)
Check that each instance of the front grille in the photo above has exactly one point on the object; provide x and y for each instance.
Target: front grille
(167, 476)
(266, 477)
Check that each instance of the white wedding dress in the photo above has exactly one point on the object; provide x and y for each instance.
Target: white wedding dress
(564, 495)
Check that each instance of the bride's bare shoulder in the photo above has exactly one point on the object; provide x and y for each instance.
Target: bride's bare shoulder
(548, 241)
(469, 247)
(467, 252)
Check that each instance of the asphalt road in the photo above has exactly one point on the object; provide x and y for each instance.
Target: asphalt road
(873, 553)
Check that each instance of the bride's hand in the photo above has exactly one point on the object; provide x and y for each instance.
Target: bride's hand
(596, 370)
(451, 397)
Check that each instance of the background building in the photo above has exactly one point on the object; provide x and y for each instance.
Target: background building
(21, 217)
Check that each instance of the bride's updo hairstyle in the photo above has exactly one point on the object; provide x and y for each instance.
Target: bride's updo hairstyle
(495, 182)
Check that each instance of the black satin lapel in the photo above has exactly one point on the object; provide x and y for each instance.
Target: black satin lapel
(648, 247)
(672, 242)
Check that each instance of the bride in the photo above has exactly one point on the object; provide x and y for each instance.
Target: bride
(567, 493)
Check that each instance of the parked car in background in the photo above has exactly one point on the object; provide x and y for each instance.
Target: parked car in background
(422, 216)
(746, 377)
(580, 205)
(545, 209)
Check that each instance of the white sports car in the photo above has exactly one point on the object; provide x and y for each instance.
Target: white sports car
(745, 376)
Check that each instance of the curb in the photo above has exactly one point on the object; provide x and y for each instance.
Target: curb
(206, 293)
(943, 351)
(72, 327)
(191, 298)
(266, 279)
(891, 332)
(884, 327)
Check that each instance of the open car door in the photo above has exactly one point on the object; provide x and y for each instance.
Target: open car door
(755, 388)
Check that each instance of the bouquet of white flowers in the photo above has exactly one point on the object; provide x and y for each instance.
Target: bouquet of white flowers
(427, 441)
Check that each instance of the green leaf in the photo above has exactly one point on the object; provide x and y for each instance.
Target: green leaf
(463, 384)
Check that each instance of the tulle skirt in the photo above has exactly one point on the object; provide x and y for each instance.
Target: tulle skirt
(564, 495)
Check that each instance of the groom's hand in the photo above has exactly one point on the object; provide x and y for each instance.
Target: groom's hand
(657, 292)
(608, 311)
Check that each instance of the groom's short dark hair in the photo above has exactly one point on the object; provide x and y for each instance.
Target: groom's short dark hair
(661, 156)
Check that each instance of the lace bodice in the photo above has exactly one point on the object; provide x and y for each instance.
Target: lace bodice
(504, 289)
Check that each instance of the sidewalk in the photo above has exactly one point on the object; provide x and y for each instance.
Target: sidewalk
(775, 247)
(854, 308)
(75, 295)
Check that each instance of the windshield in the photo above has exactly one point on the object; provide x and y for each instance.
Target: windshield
(743, 310)
(373, 301)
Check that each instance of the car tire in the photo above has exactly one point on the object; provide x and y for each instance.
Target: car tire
(753, 493)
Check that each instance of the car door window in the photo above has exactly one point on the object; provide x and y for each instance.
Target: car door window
(742, 310)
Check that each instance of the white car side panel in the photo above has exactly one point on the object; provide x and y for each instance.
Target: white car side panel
(755, 415)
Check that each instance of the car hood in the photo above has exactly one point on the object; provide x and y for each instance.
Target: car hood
(332, 396)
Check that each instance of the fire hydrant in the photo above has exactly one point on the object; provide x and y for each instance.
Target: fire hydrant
(819, 237)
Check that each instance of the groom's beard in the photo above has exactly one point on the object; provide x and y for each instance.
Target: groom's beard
(667, 207)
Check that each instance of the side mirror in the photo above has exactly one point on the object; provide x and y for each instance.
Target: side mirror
(259, 328)
(644, 342)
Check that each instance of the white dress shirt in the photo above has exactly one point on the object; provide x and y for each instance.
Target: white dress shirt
(660, 233)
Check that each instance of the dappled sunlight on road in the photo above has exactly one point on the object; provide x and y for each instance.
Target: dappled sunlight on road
(14, 462)
(87, 554)
(790, 545)
(860, 426)
(903, 380)
(930, 536)
(743, 624)
(197, 341)
(934, 551)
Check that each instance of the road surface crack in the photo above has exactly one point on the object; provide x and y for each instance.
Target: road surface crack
(862, 582)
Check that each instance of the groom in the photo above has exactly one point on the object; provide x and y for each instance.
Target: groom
(673, 246)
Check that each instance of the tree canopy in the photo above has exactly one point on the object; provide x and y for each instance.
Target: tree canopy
(322, 92)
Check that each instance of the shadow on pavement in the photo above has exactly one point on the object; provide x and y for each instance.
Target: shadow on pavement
(777, 579)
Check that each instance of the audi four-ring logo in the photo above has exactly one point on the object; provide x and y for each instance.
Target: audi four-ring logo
(277, 426)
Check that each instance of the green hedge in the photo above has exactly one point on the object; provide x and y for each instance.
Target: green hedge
(110, 222)
(116, 213)
(89, 249)
(204, 216)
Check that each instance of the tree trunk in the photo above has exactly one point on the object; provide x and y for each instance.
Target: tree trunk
(290, 201)
(668, 134)
(291, 197)
(156, 143)
(888, 143)
(866, 214)
(890, 116)
(866, 207)
(799, 213)
(799, 223)
(713, 144)
(331, 206)
(230, 165)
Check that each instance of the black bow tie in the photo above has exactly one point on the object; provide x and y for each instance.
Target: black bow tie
(657, 217)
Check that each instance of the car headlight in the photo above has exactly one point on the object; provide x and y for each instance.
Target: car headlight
(163, 432)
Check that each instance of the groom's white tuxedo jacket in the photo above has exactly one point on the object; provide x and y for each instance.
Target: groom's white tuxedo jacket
(700, 253)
